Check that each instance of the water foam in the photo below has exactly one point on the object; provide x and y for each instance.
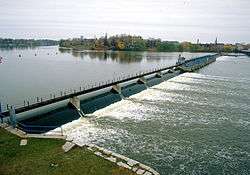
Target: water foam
(86, 130)
(146, 105)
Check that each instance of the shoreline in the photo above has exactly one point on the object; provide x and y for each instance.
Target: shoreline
(117, 159)
(108, 50)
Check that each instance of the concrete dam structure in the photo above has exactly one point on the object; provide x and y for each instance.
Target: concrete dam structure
(246, 52)
(47, 115)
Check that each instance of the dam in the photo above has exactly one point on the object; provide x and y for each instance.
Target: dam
(44, 116)
(196, 122)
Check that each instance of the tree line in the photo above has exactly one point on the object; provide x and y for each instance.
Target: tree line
(137, 43)
(120, 43)
(7, 42)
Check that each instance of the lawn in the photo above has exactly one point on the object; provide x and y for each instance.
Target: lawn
(45, 156)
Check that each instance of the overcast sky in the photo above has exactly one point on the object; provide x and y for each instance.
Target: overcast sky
(182, 20)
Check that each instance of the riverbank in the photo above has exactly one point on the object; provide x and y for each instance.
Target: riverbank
(86, 50)
(46, 156)
(125, 42)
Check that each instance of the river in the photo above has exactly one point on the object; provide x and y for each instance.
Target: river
(195, 123)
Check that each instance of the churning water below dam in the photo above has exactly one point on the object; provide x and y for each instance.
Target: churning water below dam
(195, 123)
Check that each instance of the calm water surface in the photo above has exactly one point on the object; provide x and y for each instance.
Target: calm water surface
(196, 123)
(42, 71)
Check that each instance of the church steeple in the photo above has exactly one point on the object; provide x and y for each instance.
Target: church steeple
(105, 42)
(216, 41)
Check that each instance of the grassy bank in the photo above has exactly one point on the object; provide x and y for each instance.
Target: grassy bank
(45, 156)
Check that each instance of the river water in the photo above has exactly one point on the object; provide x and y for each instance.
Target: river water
(42, 71)
(196, 123)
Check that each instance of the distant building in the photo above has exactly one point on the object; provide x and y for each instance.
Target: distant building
(212, 47)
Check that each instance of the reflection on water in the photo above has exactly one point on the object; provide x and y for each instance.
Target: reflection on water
(126, 56)
(118, 56)
(121, 57)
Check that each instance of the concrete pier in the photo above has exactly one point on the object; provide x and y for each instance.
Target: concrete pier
(158, 75)
(142, 80)
(116, 88)
(75, 102)
(12, 112)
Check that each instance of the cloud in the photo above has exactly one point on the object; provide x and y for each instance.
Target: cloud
(168, 19)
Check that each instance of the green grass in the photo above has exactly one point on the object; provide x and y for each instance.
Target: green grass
(45, 156)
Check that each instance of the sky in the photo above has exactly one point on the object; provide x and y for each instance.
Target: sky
(179, 20)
